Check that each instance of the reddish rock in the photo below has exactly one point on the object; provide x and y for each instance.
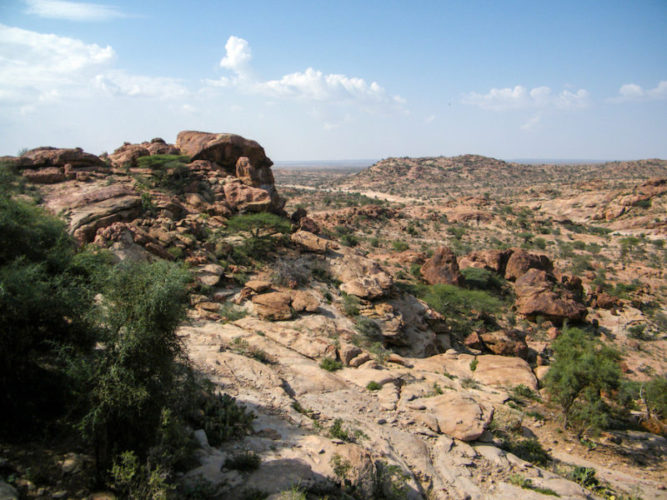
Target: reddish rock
(308, 224)
(521, 261)
(536, 297)
(506, 343)
(47, 175)
(273, 305)
(158, 146)
(254, 176)
(442, 268)
(223, 149)
(492, 260)
(59, 157)
(127, 154)
(244, 198)
(473, 341)
(602, 300)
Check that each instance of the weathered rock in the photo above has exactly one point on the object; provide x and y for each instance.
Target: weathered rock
(361, 276)
(504, 371)
(442, 268)
(158, 146)
(127, 154)
(258, 286)
(59, 157)
(473, 341)
(603, 300)
(459, 415)
(223, 149)
(254, 176)
(273, 306)
(536, 297)
(311, 242)
(521, 261)
(46, 175)
(506, 343)
(308, 224)
(304, 301)
(209, 275)
(492, 260)
(347, 352)
(244, 198)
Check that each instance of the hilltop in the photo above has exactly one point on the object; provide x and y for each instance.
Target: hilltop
(437, 177)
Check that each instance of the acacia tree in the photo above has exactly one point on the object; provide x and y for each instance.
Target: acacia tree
(260, 228)
(584, 368)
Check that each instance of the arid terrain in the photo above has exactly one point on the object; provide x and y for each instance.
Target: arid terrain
(394, 339)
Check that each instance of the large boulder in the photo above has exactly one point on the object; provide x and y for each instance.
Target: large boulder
(127, 154)
(504, 371)
(459, 415)
(59, 157)
(505, 342)
(243, 198)
(254, 176)
(536, 297)
(360, 276)
(492, 260)
(273, 306)
(312, 243)
(521, 261)
(442, 268)
(223, 149)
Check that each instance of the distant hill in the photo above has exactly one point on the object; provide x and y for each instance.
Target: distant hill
(440, 176)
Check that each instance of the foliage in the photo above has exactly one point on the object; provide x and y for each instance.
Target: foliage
(481, 279)
(527, 484)
(330, 364)
(373, 386)
(463, 309)
(529, 450)
(473, 364)
(582, 370)
(161, 161)
(241, 346)
(138, 482)
(223, 418)
(245, 461)
(259, 230)
(231, 312)
(135, 377)
(351, 304)
(399, 246)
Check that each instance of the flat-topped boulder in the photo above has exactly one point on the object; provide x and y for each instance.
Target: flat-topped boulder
(223, 149)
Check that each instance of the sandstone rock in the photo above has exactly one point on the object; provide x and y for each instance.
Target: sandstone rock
(59, 157)
(109, 206)
(244, 198)
(273, 305)
(298, 214)
(521, 261)
(504, 371)
(603, 300)
(223, 149)
(308, 224)
(304, 301)
(360, 276)
(492, 260)
(535, 297)
(254, 176)
(506, 343)
(459, 415)
(473, 341)
(209, 275)
(158, 146)
(46, 175)
(312, 243)
(366, 288)
(442, 268)
(127, 154)
(347, 352)
(258, 286)
(359, 360)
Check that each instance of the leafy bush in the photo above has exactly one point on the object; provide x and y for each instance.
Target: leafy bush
(259, 228)
(223, 418)
(373, 386)
(582, 370)
(245, 462)
(529, 450)
(399, 246)
(231, 312)
(330, 364)
(481, 279)
(351, 304)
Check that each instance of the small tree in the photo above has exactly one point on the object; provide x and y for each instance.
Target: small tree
(584, 368)
(259, 228)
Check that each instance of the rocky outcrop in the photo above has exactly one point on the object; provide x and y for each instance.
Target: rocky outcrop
(223, 149)
(521, 261)
(505, 342)
(312, 243)
(538, 294)
(442, 268)
(360, 276)
(458, 415)
(491, 260)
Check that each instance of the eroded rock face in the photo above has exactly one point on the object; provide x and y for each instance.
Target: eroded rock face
(459, 415)
(521, 261)
(492, 260)
(223, 149)
(536, 296)
(504, 371)
(312, 243)
(506, 342)
(59, 157)
(442, 268)
(361, 276)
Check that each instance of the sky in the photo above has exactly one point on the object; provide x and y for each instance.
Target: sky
(334, 80)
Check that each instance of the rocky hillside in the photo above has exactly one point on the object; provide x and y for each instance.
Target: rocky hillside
(437, 177)
(388, 351)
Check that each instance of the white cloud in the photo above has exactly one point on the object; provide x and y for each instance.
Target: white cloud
(519, 97)
(120, 83)
(237, 55)
(72, 11)
(309, 85)
(532, 123)
(37, 68)
(634, 92)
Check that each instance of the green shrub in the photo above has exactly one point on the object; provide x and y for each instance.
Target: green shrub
(582, 369)
(135, 481)
(231, 312)
(246, 461)
(473, 364)
(529, 450)
(399, 246)
(337, 431)
(222, 418)
(481, 279)
(373, 386)
(351, 304)
(330, 364)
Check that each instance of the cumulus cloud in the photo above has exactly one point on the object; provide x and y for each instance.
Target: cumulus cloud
(309, 85)
(634, 92)
(72, 11)
(519, 97)
(37, 68)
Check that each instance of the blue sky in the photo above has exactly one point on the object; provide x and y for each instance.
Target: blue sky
(340, 79)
